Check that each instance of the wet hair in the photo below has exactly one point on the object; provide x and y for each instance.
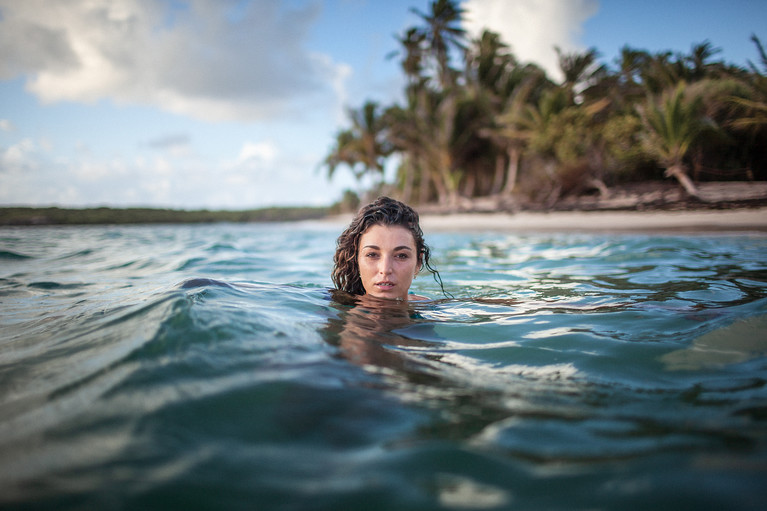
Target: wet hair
(383, 211)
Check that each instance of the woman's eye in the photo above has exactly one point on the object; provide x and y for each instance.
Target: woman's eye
(402, 256)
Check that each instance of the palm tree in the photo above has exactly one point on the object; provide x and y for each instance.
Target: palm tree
(513, 127)
(631, 62)
(672, 126)
(748, 114)
(698, 64)
(475, 133)
(580, 71)
(442, 31)
(628, 87)
(363, 147)
(489, 65)
(479, 99)
(406, 138)
(423, 134)
(659, 72)
(437, 113)
(344, 152)
(754, 104)
(413, 60)
(754, 109)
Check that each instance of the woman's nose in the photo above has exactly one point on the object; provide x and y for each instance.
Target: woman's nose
(384, 265)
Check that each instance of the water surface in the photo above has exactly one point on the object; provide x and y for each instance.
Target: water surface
(211, 367)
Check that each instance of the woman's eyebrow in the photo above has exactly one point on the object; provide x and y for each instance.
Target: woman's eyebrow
(401, 247)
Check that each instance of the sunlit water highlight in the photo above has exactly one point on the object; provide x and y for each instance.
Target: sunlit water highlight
(173, 367)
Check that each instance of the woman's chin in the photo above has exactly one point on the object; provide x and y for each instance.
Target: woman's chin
(385, 295)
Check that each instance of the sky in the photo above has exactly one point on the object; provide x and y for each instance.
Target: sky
(234, 104)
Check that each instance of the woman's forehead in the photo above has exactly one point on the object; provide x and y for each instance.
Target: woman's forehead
(387, 234)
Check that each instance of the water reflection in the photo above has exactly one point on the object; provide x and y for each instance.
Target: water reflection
(401, 342)
(543, 388)
(368, 332)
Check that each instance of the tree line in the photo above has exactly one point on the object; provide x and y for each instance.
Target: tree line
(24, 216)
(477, 122)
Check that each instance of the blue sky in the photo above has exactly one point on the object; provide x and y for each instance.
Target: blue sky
(234, 104)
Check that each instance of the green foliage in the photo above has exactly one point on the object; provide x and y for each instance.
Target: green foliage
(673, 123)
(623, 151)
(479, 129)
(363, 147)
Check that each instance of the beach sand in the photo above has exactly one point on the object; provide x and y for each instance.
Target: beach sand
(694, 221)
(738, 206)
(604, 221)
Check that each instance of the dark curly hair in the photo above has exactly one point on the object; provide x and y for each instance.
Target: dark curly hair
(382, 211)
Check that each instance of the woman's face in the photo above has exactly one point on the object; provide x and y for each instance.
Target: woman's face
(388, 261)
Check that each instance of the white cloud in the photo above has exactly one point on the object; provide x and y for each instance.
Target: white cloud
(261, 152)
(222, 60)
(89, 171)
(163, 167)
(19, 156)
(532, 27)
(6, 125)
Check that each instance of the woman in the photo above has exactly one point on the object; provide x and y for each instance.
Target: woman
(381, 252)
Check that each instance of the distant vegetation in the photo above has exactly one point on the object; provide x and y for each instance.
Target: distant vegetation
(61, 216)
(476, 122)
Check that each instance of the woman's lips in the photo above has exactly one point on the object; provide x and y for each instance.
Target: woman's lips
(384, 285)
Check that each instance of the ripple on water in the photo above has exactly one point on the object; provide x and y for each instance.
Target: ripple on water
(211, 366)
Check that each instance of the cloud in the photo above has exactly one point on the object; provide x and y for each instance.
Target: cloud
(257, 174)
(18, 157)
(261, 152)
(223, 60)
(6, 125)
(170, 142)
(532, 27)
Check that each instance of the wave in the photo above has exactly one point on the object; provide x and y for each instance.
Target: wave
(10, 255)
(213, 386)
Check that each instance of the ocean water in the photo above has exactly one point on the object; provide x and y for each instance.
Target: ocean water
(211, 367)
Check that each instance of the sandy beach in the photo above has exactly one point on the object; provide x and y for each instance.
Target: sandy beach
(650, 207)
(693, 221)
(606, 221)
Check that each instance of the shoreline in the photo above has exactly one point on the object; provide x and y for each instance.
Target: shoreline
(740, 220)
(695, 221)
(639, 207)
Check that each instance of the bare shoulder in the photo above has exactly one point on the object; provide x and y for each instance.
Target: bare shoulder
(417, 298)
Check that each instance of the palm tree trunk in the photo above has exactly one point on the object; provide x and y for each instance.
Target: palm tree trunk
(512, 170)
(679, 172)
(424, 190)
(600, 185)
(439, 185)
(450, 182)
(469, 185)
(443, 189)
(498, 177)
(407, 189)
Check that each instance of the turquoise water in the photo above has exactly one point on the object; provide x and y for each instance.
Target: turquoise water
(210, 367)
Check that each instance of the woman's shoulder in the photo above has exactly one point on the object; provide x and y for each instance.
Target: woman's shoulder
(417, 298)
